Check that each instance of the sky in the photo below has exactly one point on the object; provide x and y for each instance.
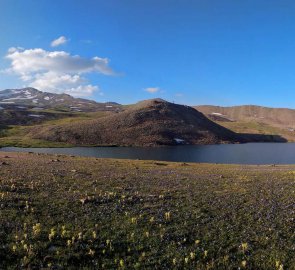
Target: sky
(220, 52)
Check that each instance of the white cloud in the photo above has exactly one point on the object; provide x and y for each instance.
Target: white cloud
(87, 90)
(63, 83)
(56, 71)
(59, 41)
(152, 90)
(14, 49)
(38, 60)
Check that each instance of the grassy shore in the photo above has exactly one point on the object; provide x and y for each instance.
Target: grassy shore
(62, 212)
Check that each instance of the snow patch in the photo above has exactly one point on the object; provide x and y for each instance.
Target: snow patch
(179, 140)
(27, 92)
(36, 115)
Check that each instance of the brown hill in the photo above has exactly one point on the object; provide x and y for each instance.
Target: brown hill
(250, 118)
(150, 122)
(278, 116)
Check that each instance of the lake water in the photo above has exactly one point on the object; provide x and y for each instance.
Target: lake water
(249, 153)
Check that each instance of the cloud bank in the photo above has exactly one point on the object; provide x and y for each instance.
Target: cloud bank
(56, 71)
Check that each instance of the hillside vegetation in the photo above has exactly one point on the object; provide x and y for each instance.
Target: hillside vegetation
(152, 122)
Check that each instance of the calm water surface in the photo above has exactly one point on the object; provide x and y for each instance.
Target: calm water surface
(250, 153)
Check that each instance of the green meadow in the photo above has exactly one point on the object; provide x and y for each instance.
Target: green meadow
(62, 212)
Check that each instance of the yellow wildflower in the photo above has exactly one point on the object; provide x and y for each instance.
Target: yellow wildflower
(122, 263)
(244, 246)
(36, 228)
(134, 220)
(91, 252)
(167, 215)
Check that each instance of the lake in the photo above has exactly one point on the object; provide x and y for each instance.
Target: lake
(249, 153)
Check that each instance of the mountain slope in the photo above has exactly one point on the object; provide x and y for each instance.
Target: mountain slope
(29, 106)
(278, 116)
(33, 98)
(151, 122)
(250, 118)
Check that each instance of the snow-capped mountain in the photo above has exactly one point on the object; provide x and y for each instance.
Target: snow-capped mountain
(33, 98)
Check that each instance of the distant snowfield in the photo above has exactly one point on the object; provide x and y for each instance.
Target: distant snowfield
(36, 115)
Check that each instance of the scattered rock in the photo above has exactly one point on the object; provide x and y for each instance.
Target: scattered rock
(160, 164)
(84, 200)
(4, 163)
(184, 164)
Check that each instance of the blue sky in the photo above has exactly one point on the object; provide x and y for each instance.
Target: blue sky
(193, 52)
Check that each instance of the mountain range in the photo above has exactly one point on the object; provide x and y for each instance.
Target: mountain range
(33, 116)
(33, 98)
(29, 105)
